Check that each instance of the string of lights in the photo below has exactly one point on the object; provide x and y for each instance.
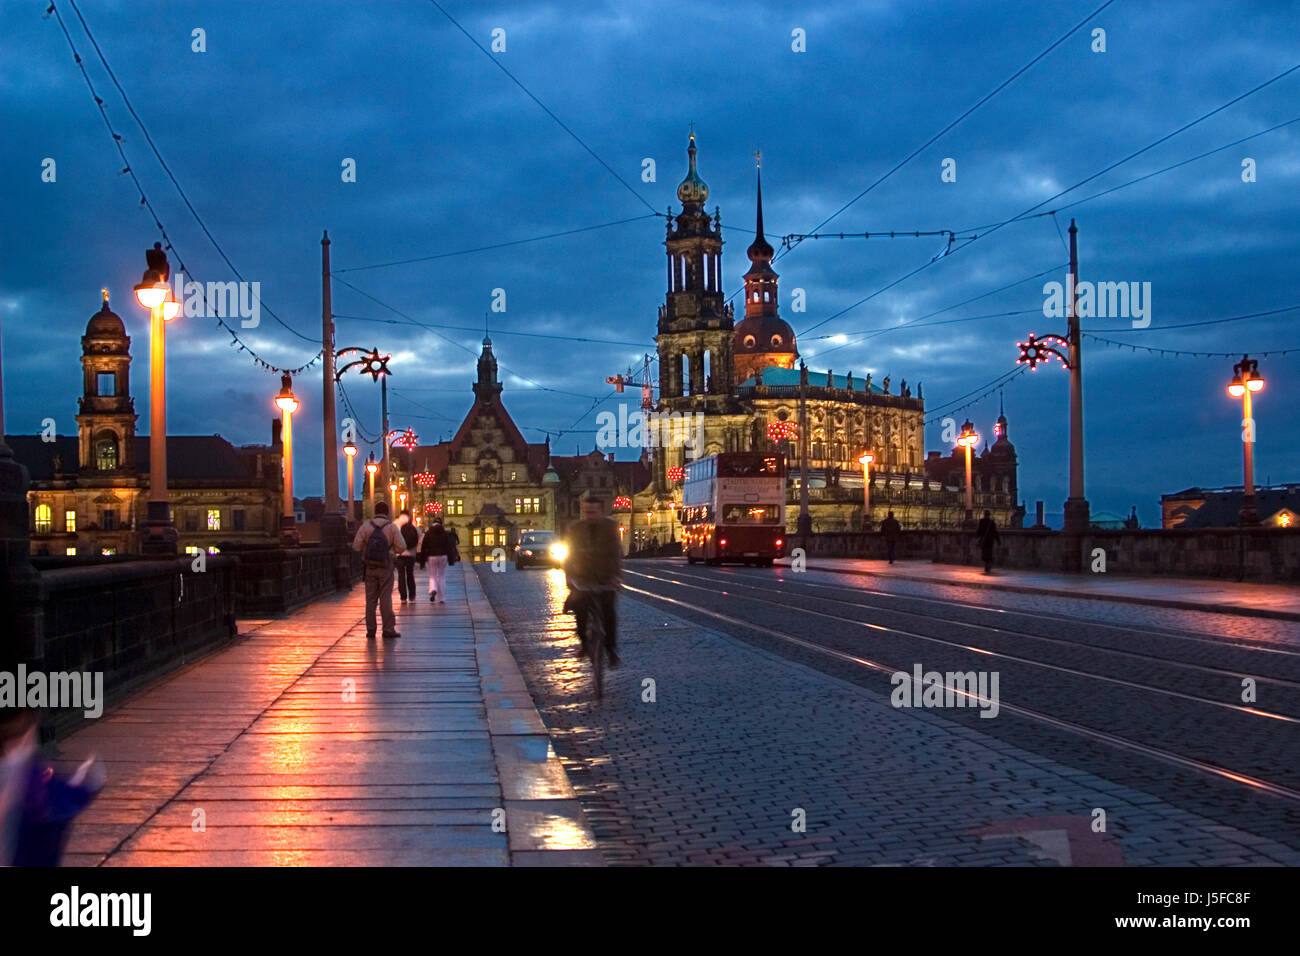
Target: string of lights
(496, 61)
(1188, 353)
(1191, 325)
(988, 390)
(128, 170)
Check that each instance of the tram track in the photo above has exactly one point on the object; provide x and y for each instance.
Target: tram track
(1140, 740)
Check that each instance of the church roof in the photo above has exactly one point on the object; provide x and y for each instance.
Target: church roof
(775, 375)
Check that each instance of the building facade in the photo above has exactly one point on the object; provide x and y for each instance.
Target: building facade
(742, 378)
(89, 494)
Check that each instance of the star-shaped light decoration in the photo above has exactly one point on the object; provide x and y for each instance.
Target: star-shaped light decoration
(1040, 349)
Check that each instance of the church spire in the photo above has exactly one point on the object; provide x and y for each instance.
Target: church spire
(487, 387)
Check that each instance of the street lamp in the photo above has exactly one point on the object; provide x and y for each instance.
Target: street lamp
(1246, 379)
(350, 450)
(392, 497)
(287, 404)
(154, 294)
(371, 467)
(969, 439)
(866, 460)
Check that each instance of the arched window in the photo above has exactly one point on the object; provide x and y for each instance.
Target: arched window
(106, 453)
(776, 341)
(750, 341)
(43, 519)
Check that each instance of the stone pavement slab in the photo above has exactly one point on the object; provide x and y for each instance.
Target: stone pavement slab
(1194, 594)
(305, 744)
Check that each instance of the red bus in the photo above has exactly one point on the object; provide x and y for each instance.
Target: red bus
(733, 508)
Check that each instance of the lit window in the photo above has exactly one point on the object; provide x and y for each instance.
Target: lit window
(490, 537)
(750, 341)
(192, 549)
(214, 550)
(43, 519)
(462, 476)
(106, 454)
(71, 552)
(70, 521)
(477, 539)
(514, 476)
(776, 341)
(214, 519)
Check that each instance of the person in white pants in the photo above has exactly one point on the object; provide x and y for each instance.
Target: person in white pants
(437, 545)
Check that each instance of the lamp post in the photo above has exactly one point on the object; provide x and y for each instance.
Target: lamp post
(153, 293)
(350, 450)
(371, 467)
(969, 439)
(866, 460)
(1246, 379)
(392, 497)
(287, 404)
(803, 526)
(376, 366)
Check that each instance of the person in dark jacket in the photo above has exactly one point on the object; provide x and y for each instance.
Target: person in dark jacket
(986, 533)
(406, 560)
(892, 531)
(595, 564)
(436, 547)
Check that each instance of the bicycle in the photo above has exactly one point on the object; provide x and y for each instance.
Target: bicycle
(594, 638)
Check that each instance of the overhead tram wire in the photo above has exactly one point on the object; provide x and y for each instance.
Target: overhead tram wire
(463, 348)
(467, 328)
(945, 411)
(988, 96)
(496, 61)
(498, 245)
(167, 169)
(985, 231)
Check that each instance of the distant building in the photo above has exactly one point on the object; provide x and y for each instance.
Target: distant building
(89, 494)
(1278, 506)
(491, 484)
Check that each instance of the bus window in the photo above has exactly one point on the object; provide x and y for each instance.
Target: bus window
(751, 514)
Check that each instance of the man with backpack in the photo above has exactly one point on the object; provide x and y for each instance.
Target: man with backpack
(379, 541)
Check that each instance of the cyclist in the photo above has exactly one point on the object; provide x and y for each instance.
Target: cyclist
(594, 566)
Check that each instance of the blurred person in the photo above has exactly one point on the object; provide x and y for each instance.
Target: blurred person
(435, 551)
(379, 542)
(406, 560)
(595, 565)
(37, 806)
(892, 531)
(986, 533)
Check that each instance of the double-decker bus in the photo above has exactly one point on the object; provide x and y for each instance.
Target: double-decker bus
(733, 508)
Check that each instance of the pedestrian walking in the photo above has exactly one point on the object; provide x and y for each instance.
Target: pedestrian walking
(986, 533)
(435, 551)
(379, 541)
(892, 531)
(406, 560)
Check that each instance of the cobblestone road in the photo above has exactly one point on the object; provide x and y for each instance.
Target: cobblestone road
(739, 739)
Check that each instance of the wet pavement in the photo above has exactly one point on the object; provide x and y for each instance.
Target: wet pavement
(305, 744)
(1234, 597)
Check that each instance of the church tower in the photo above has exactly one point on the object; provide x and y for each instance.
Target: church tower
(695, 322)
(487, 389)
(106, 412)
(762, 338)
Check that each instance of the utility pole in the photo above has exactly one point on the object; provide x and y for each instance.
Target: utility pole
(1077, 517)
(332, 504)
(804, 526)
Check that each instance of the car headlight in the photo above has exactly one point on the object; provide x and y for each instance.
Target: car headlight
(559, 551)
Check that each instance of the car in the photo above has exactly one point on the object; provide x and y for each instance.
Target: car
(540, 547)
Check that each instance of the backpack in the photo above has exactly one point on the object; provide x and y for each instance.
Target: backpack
(378, 550)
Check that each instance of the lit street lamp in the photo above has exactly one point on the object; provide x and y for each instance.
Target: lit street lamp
(866, 460)
(287, 404)
(351, 451)
(969, 439)
(153, 293)
(392, 497)
(1246, 379)
(371, 467)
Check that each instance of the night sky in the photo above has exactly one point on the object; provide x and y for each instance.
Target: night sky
(451, 155)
